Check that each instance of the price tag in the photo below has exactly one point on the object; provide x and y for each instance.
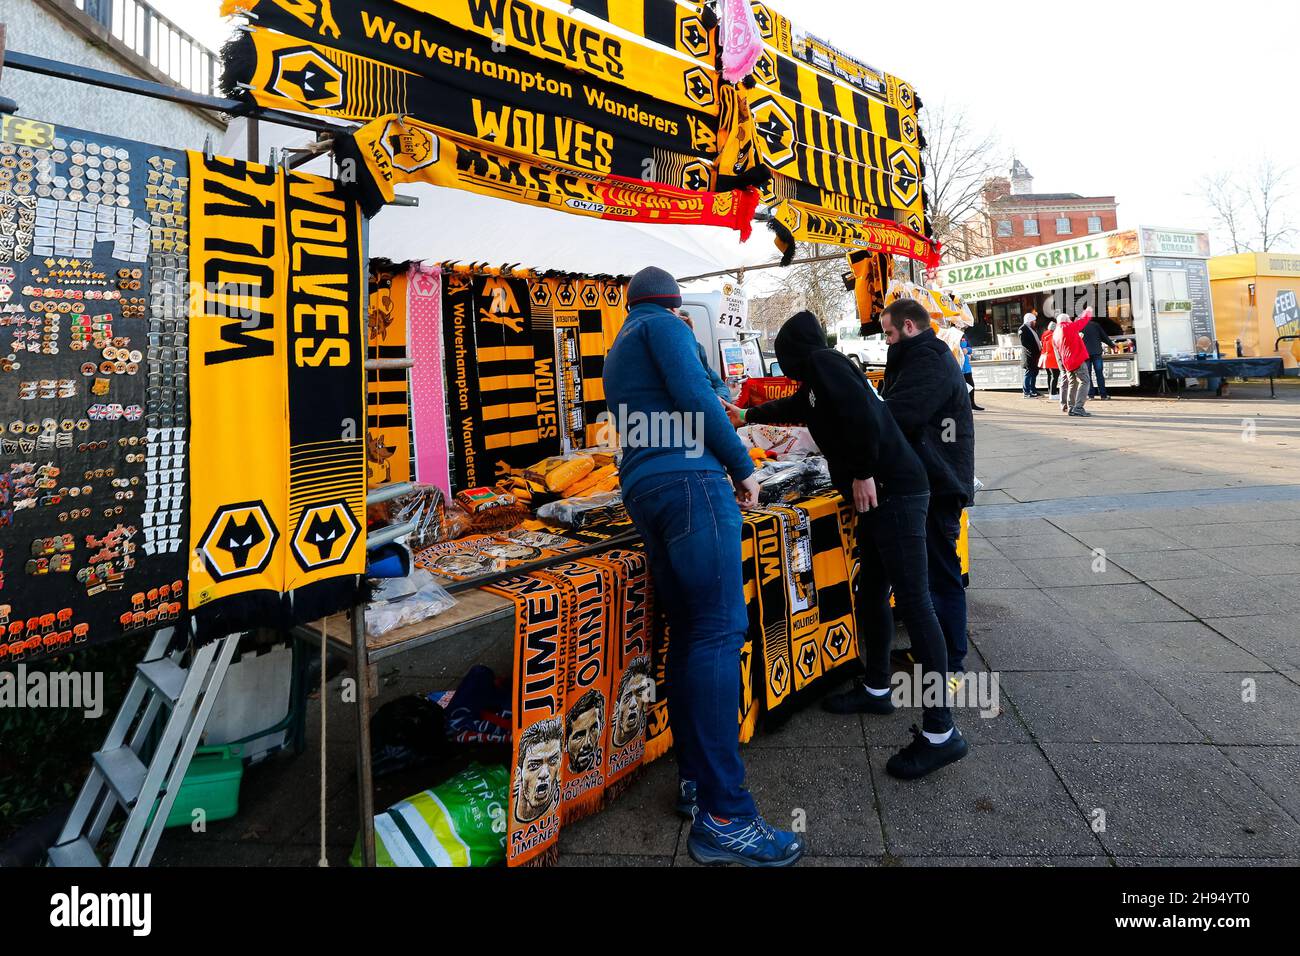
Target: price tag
(26, 132)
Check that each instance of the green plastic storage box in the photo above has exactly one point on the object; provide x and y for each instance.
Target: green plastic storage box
(211, 783)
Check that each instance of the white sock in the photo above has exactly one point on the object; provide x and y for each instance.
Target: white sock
(875, 693)
(939, 739)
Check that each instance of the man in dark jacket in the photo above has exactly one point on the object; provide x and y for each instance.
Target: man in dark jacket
(1093, 336)
(926, 393)
(1032, 345)
(873, 466)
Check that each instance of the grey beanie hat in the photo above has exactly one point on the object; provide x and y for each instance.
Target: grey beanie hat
(655, 286)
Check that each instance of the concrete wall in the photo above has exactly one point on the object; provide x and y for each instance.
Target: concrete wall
(39, 28)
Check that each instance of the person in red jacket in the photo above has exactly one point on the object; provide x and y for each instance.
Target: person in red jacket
(1076, 379)
(1050, 363)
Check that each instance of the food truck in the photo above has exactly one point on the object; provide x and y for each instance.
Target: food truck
(1149, 286)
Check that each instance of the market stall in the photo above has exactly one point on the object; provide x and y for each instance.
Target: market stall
(1149, 287)
(1257, 305)
(484, 484)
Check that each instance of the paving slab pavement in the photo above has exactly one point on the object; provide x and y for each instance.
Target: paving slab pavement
(1125, 694)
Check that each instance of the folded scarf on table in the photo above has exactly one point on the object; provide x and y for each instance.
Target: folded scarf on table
(390, 151)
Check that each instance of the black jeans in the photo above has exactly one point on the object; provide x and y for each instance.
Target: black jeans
(947, 590)
(970, 380)
(1053, 380)
(892, 540)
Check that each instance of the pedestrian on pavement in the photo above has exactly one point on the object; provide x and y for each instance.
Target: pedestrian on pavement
(1075, 378)
(683, 501)
(1032, 346)
(1051, 362)
(927, 401)
(874, 467)
(968, 371)
(1093, 336)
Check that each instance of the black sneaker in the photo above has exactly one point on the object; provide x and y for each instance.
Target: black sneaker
(859, 701)
(901, 659)
(688, 799)
(921, 758)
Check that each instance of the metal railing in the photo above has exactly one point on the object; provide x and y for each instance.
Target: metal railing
(157, 40)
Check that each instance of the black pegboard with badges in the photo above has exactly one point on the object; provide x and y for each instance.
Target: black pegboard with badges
(93, 388)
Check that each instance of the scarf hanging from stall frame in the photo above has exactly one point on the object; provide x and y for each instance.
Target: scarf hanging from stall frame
(388, 413)
(471, 467)
(277, 413)
(389, 151)
(820, 150)
(631, 677)
(428, 34)
(552, 118)
(543, 616)
(550, 310)
(587, 689)
(795, 222)
(428, 385)
(690, 29)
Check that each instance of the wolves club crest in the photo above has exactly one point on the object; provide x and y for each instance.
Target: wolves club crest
(325, 536)
(305, 76)
(409, 147)
(239, 541)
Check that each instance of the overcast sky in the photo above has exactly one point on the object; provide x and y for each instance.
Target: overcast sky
(1136, 98)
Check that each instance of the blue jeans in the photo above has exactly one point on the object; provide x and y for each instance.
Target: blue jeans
(892, 540)
(947, 590)
(1098, 366)
(692, 528)
(1031, 381)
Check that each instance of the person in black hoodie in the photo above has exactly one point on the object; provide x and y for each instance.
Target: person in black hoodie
(926, 392)
(873, 466)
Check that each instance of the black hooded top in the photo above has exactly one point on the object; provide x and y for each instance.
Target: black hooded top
(847, 419)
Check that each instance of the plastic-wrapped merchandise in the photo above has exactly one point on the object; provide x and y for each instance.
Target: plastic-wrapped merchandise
(780, 483)
(816, 476)
(779, 440)
(491, 511)
(599, 508)
(560, 474)
(461, 823)
(428, 600)
(427, 507)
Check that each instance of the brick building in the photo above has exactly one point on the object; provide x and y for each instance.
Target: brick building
(1020, 218)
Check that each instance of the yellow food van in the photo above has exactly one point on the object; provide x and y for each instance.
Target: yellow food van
(1257, 302)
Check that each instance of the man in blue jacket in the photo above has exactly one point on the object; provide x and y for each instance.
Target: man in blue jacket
(683, 472)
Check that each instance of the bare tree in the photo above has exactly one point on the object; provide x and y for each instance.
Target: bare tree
(959, 160)
(1227, 202)
(817, 287)
(1268, 190)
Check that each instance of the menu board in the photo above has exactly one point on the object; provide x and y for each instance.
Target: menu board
(93, 388)
(1182, 307)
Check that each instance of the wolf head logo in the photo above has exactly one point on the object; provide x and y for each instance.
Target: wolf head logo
(324, 533)
(239, 538)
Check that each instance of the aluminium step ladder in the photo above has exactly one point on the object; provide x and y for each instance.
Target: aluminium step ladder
(119, 776)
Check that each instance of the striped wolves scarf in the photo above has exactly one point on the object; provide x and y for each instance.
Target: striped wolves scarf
(546, 117)
(425, 36)
(278, 489)
(388, 415)
(428, 386)
(795, 222)
(390, 151)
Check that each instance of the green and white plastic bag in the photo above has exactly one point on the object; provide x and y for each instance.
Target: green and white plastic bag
(461, 823)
